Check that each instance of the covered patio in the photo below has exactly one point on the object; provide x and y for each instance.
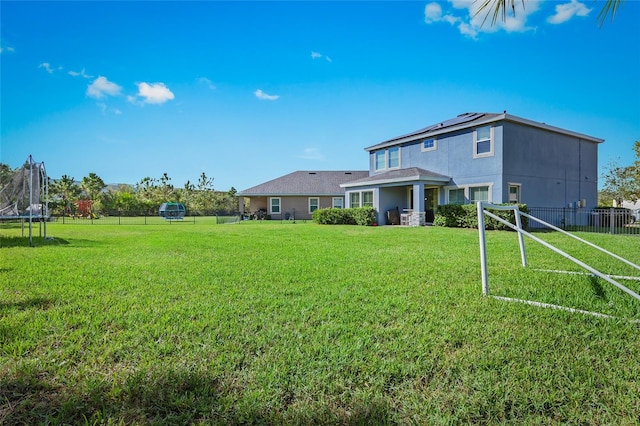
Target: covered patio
(414, 192)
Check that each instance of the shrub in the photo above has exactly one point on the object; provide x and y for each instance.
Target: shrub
(466, 216)
(364, 216)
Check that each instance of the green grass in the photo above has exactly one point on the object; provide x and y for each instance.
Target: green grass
(282, 323)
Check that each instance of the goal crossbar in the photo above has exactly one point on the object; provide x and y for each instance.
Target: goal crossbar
(482, 211)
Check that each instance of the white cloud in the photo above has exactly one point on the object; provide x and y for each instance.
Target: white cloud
(318, 55)
(312, 154)
(205, 81)
(102, 87)
(154, 93)
(432, 13)
(464, 15)
(47, 67)
(566, 11)
(80, 74)
(7, 49)
(265, 97)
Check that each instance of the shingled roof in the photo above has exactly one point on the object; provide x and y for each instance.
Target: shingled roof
(411, 174)
(472, 119)
(306, 183)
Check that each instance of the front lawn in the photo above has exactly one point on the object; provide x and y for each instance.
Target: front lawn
(282, 323)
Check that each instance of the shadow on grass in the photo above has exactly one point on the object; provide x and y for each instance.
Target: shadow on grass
(8, 242)
(36, 302)
(168, 397)
(597, 288)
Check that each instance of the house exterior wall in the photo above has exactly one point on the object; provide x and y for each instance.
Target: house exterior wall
(290, 206)
(551, 169)
(554, 170)
(454, 157)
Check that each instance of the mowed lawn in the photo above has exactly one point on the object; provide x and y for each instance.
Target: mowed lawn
(282, 323)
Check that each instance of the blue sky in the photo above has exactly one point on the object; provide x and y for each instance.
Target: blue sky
(249, 91)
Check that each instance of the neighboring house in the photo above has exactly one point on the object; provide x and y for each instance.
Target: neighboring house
(298, 194)
(633, 206)
(478, 157)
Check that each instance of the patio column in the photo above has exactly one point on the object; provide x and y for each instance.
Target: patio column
(418, 214)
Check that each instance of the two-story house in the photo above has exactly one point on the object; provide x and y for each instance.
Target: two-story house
(478, 156)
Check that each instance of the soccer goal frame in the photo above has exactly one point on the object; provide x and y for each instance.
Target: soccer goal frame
(483, 210)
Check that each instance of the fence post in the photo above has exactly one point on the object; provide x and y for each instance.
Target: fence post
(611, 221)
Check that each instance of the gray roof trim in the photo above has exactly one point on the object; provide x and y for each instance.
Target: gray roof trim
(412, 174)
(305, 183)
(474, 120)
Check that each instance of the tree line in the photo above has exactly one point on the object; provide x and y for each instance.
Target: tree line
(621, 183)
(91, 195)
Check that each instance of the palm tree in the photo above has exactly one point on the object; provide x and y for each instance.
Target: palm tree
(498, 8)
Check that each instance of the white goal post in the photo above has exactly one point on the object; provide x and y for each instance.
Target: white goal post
(483, 208)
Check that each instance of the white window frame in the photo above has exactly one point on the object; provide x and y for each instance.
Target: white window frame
(337, 202)
(271, 200)
(389, 166)
(470, 187)
(464, 195)
(433, 148)
(351, 194)
(476, 141)
(467, 191)
(384, 160)
(384, 155)
(518, 186)
(317, 204)
(362, 198)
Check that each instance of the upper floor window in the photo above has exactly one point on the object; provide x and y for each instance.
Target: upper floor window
(429, 144)
(387, 158)
(381, 159)
(394, 157)
(483, 142)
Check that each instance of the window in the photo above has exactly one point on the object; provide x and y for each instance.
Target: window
(387, 158)
(456, 196)
(361, 199)
(394, 157)
(367, 199)
(478, 193)
(381, 158)
(314, 204)
(483, 146)
(429, 145)
(274, 206)
(337, 202)
(514, 193)
(355, 199)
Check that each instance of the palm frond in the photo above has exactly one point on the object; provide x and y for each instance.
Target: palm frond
(498, 7)
(610, 7)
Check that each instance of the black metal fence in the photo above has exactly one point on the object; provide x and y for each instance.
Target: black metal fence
(143, 219)
(607, 220)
